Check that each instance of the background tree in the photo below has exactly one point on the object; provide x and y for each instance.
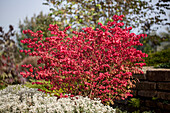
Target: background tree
(39, 22)
(151, 42)
(81, 13)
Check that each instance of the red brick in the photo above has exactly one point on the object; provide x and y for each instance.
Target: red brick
(163, 111)
(163, 86)
(163, 95)
(144, 85)
(144, 108)
(158, 75)
(163, 106)
(167, 107)
(150, 103)
(158, 111)
(146, 93)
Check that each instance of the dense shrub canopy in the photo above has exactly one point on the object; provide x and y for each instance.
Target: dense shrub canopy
(95, 63)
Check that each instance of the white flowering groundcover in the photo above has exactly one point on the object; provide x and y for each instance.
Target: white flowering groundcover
(21, 99)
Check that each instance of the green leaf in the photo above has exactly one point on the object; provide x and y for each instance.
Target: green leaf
(98, 5)
(80, 20)
(4, 75)
(76, 17)
(9, 75)
(45, 3)
(60, 12)
(51, 9)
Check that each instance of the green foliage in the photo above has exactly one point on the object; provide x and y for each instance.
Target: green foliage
(163, 65)
(138, 111)
(83, 13)
(9, 57)
(135, 102)
(45, 87)
(154, 98)
(3, 85)
(159, 58)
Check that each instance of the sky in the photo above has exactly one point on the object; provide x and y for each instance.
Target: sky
(11, 11)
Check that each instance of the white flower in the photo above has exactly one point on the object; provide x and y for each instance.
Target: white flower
(17, 98)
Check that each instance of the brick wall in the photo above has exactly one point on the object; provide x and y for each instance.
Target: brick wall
(153, 90)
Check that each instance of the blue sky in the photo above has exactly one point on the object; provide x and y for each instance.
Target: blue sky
(11, 11)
